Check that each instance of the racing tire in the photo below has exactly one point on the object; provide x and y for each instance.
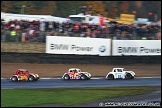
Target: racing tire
(36, 79)
(31, 78)
(128, 76)
(88, 78)
(83, 77)
(110, 77)
(14, 79)
(66, 77)
(132, 77)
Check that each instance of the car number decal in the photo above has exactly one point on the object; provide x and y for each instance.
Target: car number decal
(23, 77)
(120, 76)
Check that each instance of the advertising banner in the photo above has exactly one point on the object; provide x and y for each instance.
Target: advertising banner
(136, 47)
(127, 17)
(78, 45)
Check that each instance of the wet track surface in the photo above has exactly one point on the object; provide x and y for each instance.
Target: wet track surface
(57, 83)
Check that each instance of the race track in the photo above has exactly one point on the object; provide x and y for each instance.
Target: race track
(94, 82)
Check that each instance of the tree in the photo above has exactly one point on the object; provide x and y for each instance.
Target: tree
(114, 10)
(138, 4)
(49, 9)
(5, 6)
(32, 9)
(17, 7)
(124, 7)
(98, 7)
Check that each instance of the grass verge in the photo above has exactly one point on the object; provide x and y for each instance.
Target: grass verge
(66, 96)
(23, 47)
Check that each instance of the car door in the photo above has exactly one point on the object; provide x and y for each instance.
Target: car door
(119, 73)
(76, 75)
(22, 76)
(115, 73)
(71, 74)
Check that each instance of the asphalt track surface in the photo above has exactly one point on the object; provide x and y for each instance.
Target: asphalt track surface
(94, 82)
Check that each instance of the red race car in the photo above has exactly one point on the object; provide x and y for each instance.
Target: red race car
(24, 75)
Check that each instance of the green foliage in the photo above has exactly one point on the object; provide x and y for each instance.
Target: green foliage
(66, 8)
(66, 96)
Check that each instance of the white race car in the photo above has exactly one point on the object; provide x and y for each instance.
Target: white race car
(120, 73)
(75, 73)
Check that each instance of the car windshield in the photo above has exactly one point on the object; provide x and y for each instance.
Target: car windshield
(73, 70)
(119, 70)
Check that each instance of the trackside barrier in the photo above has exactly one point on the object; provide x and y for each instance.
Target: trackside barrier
(101, 47)
(78, 45)
(44, 58)
(136, 47)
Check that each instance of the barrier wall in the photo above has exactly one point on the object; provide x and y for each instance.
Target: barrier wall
(76, 59)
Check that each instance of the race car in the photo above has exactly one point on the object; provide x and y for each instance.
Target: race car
(24, 75)
(75, 73)
(120, 73)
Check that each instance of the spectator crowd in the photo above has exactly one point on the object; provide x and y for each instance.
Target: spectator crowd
(36, 31)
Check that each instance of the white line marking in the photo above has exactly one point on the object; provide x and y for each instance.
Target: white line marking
(95, 77)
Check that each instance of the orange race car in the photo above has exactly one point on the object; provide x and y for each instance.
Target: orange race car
(24, 75)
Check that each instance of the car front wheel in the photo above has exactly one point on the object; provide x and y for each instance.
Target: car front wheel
(83, 77)
(128, 76)
(31, 78)
(14, 78)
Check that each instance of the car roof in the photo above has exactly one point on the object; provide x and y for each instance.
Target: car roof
(118, 68)
(74, 69)
(22, 69)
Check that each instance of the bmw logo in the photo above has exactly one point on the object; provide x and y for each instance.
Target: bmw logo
(102, 49)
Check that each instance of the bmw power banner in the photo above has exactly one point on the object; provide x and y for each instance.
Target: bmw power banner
(136, 47)
(78, 45)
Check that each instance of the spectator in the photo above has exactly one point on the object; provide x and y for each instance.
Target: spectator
(35, 29)
(31, 35)
(159, 35)
(42, 26)
(88, 32)
(118, 35)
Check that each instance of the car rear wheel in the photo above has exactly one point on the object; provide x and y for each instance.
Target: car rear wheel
(132, 77)
(66, 77)
(31, 78)
(88, 78)
(110, 77)
(14, 78)
(128, 76)
(83, 77)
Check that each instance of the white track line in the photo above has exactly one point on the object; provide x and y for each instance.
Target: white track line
(95, 77)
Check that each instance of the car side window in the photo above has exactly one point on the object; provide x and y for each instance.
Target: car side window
(71, 71)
